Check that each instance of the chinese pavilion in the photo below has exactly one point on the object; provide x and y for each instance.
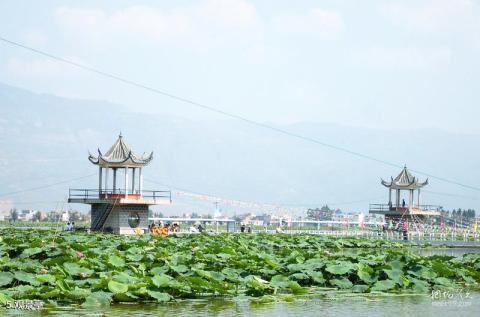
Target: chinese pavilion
(404, 182)
(120, 207)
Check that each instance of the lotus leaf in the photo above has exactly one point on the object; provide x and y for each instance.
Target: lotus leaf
(384, 285)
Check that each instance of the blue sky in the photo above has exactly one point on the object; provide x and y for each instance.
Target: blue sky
(387, 64)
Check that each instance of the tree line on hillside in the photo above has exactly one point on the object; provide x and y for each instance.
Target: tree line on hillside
(459, 214)
(323, 213)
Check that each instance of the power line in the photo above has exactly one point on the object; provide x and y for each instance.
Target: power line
(44, 186)
(449, 195)
(228, 114)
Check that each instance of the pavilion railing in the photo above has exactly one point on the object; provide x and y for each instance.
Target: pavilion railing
(86, 194)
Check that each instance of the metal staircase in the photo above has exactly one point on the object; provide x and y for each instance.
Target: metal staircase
(105, 211)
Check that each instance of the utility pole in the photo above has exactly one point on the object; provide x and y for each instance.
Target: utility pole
(216, 214)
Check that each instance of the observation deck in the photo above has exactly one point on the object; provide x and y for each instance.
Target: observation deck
(95, 196)
(386, 209)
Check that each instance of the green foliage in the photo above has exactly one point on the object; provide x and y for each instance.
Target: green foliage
(29, 278)
(98, 299)
(96, 269)
(116, 261)
(340, 268)
(5, 278)
(161, 280)
(341, 282)
(384, 285)
(159, 296)
(117, 287)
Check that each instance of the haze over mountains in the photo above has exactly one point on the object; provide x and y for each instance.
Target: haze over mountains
(45, 139)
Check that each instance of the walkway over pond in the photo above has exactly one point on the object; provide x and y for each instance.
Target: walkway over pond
(436, 239)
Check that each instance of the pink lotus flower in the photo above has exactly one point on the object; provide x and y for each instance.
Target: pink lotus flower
(83, 274)
(328, 253)
(44, 271)
(80, 254)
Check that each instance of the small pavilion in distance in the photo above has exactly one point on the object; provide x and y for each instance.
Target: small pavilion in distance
(399, 208)
(120, 207)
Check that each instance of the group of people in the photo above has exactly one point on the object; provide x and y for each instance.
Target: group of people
(402, 226)
(421, 229)
(403, 204)
(69, 226)
(167, 228)
(198, 228)
(243, 228)
(163, 229)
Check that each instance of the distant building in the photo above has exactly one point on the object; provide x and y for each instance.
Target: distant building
(65, 216)
(26, 214)
(260, 220)
(43, 215)
(246, 219)
(281, 219)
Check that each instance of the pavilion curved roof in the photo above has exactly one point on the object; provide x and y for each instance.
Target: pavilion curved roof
(120, 155)
(404, 180)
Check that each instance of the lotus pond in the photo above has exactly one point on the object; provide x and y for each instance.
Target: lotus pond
(81, 270)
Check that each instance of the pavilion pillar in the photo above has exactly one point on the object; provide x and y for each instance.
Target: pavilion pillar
(106, 178)
(418, 198)
(114, 180)
(140, 181)
(398, 198)
(410, 200)
(133, 180)
(390, 197)
(126, 182)
(99, 181)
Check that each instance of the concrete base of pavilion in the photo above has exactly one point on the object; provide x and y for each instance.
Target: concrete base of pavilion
(116, 213)
(122, 219)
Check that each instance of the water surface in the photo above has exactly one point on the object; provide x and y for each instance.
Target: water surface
(392, 306)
